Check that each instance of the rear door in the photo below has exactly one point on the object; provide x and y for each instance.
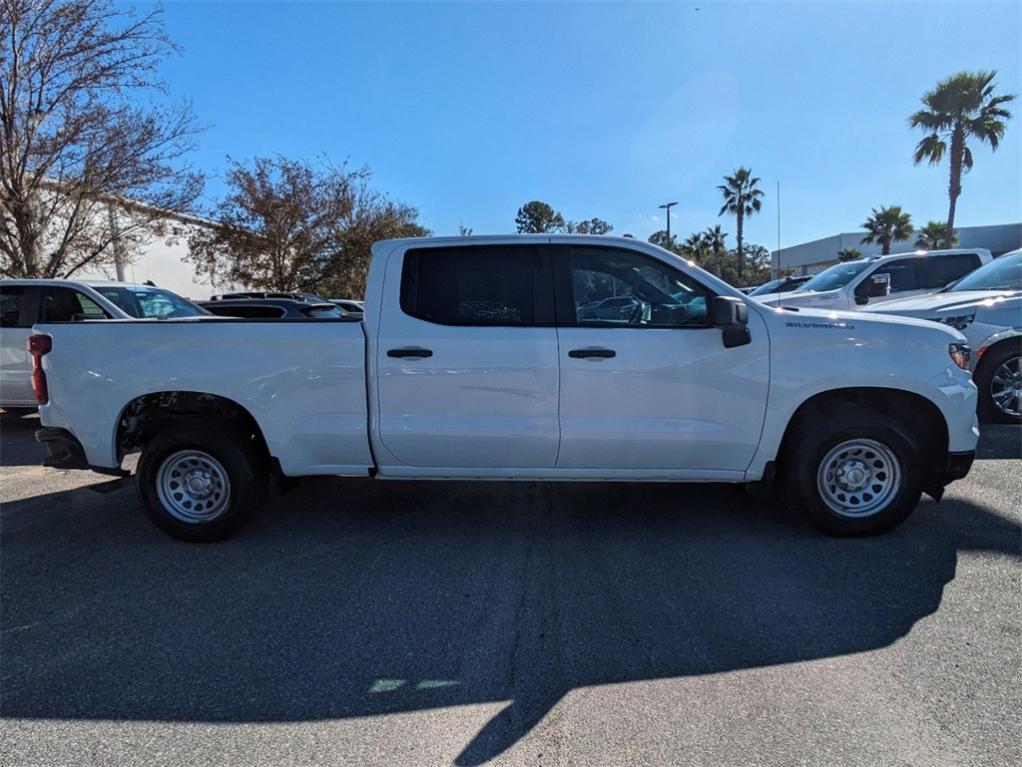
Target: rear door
(466, 365)
(654, 390)
(18, 307)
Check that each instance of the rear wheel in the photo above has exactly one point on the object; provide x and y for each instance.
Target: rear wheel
(999, 380)
(198, 483)
(851, 471)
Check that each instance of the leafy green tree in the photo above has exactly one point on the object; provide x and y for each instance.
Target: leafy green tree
(932, 236)
(961, 107)
(848, 254)
(887, 225)
(590, 226)
(741, 198)
(536, 217)
(659, 238)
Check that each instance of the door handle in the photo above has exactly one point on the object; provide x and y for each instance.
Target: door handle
(600, 354)
(411, 352)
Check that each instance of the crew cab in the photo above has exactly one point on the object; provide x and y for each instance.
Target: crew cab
(474, 361)
(868, 281)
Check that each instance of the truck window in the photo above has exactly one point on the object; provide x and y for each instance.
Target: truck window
(902, 273)
(612, 287)
(12, 298)
(943, 270)
(69, 305)
(477, 285)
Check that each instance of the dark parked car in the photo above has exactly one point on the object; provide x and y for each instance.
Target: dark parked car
(271, 308)
(310, 298)
(349, 306)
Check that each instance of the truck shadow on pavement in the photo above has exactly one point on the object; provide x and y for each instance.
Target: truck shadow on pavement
(354, 598)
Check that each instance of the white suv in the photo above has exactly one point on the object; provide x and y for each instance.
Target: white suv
(23, 303)
(854, 284)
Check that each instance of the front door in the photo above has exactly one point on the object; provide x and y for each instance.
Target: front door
(466, 360)
(653, 388)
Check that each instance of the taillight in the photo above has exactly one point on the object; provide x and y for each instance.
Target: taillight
(37, 347)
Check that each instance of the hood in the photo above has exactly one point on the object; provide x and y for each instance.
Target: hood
(937, 304)
(798, 298)
(822, 318)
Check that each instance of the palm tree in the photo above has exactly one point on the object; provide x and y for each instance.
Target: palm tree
(960, 107)
(695, 246)
(714, 239)
(848, 254)
(932, 236)
(742, 198)
(887, 225)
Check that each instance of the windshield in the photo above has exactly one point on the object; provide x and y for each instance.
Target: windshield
(1004, 273)
(149, 303)
(770, 287)
(836, 277)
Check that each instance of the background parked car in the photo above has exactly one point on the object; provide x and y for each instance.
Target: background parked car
(613, 308)
(986, 306)
(26, 302)
(853, 284)
(298, 296)
(780, 285)
(272, 308)
(349, 306)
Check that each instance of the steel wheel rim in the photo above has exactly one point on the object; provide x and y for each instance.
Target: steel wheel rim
(1006, 387)
(193, 486)
(858, 478)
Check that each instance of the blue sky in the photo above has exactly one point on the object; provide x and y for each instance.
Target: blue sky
(467, 110)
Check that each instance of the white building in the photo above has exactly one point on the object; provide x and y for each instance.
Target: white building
(815, 256)
(161, 261)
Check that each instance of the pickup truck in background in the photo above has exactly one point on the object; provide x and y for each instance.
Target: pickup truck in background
(475, 361)
(851, 285)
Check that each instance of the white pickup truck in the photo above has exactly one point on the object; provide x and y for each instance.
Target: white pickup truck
(475, 361)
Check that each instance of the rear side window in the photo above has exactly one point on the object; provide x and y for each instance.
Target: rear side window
(69, 305)
(12, 299)
(483, 285)
(942, 270)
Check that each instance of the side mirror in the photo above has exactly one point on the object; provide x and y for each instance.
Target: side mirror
(731, 315)
(876, 286)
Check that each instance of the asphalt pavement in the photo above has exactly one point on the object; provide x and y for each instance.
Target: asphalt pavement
(411, 623)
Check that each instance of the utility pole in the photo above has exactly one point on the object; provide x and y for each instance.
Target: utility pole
(667, 206)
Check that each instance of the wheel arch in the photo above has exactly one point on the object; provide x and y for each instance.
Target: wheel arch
(141, 418)
(912, 411)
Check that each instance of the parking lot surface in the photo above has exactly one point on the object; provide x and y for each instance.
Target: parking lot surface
(466, 623)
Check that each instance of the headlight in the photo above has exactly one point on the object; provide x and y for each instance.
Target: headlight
(960, 354)
(958, 322)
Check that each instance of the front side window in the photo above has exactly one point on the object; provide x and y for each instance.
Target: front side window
(478, 285)
(902, 274)
(69, 305)
(614, 288)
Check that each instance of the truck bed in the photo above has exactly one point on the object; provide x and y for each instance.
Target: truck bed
(303, 380)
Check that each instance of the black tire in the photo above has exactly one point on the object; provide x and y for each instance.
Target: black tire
(236, 453)
(821, 431)
(984, 375)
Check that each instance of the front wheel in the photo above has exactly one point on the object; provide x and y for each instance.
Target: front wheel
(851, 471)
(200, 484)
(999, 380)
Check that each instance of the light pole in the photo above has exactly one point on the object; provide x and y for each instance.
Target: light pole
(667, 207)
